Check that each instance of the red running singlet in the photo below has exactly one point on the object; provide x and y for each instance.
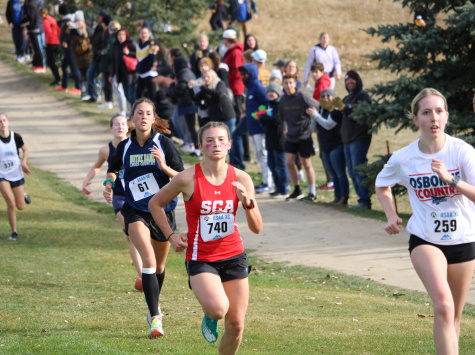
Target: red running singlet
(210, 215)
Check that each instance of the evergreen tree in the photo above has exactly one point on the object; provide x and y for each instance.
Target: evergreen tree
(439, 56)
(171, 20)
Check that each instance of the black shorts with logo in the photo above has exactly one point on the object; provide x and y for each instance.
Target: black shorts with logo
(132, 215)
(229, 269)
(456, 253)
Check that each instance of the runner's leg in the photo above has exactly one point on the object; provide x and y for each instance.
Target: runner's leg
(9, 198)
(431, 266)
(237, 292)
(459, 279)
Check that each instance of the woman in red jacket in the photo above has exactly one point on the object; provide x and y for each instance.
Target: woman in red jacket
(52, 30)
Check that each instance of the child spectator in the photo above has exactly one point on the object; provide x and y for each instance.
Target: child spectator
(275, 141)
(255, 98)
(52, 30)
(322, 80)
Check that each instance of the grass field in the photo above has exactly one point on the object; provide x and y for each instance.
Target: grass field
(66, 286)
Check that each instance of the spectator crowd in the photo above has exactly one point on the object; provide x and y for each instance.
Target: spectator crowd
(229, 82)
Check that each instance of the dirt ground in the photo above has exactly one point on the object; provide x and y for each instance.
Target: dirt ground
(66, 143)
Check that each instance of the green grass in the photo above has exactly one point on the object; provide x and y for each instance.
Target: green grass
(66, 286)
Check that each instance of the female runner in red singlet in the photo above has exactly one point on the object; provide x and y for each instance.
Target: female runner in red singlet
(215, 259)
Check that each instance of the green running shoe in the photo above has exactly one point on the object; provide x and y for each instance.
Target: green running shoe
(209, 328)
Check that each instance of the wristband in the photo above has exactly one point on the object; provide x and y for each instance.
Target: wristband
(109, 179)
(170, 236)
(455, 182)
(250, 206)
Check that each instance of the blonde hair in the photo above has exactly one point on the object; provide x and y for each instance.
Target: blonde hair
(214, 78)
(422, 95)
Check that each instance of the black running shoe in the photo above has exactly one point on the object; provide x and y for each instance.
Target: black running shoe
(295, 195)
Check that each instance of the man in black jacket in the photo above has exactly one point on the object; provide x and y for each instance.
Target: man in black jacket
(97, 41)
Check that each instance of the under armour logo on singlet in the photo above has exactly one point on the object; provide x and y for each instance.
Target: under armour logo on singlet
(217, 192)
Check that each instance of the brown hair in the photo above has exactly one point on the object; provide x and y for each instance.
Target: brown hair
(213, 124)
(216, 59)
(422, 95)
(296, 67)
(317, 66)
(247, 55)
(160, 125)
(289, 76)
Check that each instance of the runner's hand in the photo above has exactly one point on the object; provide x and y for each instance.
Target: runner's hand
(85, 190)
(394, 225)
(241, 191)
(107, 193)
(25, 169)
(179, 244)
(159, 156)
(439, 168)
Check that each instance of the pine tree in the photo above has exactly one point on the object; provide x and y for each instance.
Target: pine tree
(440, 56)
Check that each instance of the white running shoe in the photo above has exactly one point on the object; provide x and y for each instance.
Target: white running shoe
(107, 105)
(156, 329)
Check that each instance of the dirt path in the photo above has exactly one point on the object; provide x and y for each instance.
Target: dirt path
(66, 143)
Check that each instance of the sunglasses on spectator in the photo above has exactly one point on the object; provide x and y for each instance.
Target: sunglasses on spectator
(327, 95)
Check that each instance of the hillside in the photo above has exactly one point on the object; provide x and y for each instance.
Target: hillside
(289, 28)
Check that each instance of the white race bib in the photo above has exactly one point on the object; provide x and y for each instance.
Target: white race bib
(444, 226)
(216, 226)
(9, 164)
(144, 186)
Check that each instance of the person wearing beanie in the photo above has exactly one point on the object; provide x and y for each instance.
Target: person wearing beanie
(275, 141)
(328, 125)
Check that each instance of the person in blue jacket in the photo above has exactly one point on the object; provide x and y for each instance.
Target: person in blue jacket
(256, 96)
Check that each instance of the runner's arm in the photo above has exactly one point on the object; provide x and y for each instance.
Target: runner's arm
(463, 187)
(95, 168)
(24, 159)
(177, 185)
(385, 198)
(245, 191)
